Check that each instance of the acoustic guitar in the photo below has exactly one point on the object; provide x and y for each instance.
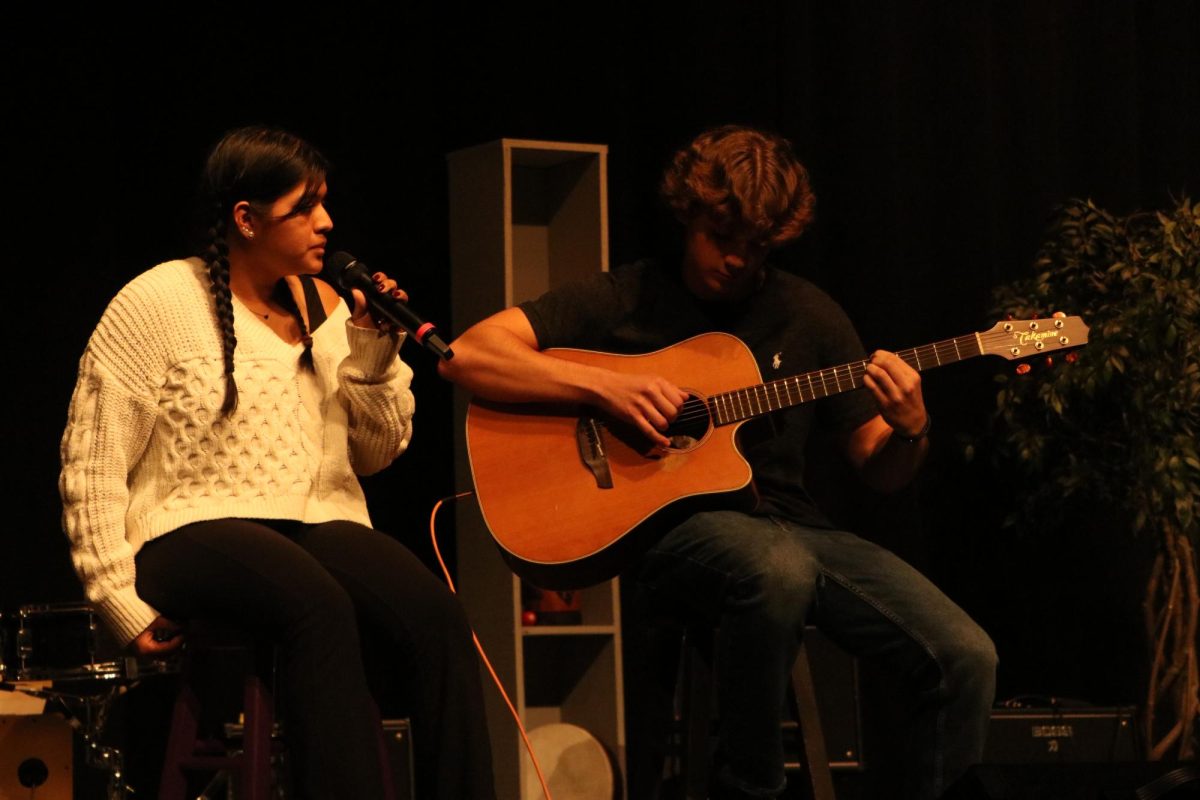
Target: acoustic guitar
(570, 497)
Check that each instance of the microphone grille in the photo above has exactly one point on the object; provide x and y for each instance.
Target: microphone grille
(340, 260)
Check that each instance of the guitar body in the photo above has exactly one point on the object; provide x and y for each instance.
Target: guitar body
(545, 506)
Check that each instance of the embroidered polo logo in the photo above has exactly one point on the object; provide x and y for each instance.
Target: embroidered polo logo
(776, 360)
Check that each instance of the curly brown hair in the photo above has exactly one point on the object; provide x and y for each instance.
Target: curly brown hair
(748, 182)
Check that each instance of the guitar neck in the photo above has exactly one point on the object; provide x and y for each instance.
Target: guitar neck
(752, 401)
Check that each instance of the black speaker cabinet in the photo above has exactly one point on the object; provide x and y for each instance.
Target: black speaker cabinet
(398, 740)
(35, 758)
(835, 676)
(1061, 735)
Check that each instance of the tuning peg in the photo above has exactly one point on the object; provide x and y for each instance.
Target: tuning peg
(1023, 369)
(1049, 362)
(1059, 315)
(1071, 357)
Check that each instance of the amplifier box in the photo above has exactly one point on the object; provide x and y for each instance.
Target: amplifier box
(835, 676)
(397, 746)
(397, 739)
(1073, 735)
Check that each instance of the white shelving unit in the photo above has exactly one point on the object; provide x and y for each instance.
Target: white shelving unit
(526, 216)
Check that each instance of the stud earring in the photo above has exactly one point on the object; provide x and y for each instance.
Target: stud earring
(249, 234)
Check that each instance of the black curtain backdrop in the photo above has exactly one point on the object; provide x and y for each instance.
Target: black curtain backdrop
(940, 136)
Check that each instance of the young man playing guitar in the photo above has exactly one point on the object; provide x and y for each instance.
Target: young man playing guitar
(766, 572)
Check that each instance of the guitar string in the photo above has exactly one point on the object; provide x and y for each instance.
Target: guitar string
(756, 395)
(758, 398)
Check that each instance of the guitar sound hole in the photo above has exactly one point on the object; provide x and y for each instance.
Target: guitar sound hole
(691, 425)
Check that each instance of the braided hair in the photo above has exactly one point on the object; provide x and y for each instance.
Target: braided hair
(288, 301)
(216, 256)
(257, 164)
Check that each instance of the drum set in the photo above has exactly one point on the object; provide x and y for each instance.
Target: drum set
(60, 653)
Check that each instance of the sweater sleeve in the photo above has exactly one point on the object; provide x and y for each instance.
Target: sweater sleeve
(108, 427)
(375, 384)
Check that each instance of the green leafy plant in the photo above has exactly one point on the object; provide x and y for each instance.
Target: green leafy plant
(1118, 425)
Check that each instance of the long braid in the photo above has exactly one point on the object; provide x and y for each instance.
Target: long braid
(289, 302)
(257, 165)
(217, 258)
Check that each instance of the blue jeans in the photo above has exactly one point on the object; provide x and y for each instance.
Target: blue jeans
(762, 578)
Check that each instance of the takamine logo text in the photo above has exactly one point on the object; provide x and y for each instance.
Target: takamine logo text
(1028, 337)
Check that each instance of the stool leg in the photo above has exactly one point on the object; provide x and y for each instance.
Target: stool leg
(255, 770)
(180, 743)
(816, 757)
(698, 693)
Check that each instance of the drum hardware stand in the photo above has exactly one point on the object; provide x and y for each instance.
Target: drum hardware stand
(90, 683)
(87, 714)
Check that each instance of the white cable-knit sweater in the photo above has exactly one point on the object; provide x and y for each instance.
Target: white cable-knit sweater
(146, 449)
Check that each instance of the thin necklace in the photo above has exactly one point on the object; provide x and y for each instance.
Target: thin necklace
(259, 313)
(256, 313)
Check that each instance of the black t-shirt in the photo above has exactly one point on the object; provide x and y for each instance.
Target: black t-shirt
(789, 325)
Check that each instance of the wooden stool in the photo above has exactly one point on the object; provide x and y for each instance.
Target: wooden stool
(695, 717)
(250, 769)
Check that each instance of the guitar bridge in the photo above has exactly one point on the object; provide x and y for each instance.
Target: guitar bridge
(589, 440)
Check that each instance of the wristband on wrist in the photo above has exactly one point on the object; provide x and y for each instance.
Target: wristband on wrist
(921, 434)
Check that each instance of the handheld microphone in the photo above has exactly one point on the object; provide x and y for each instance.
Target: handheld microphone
(353, 274)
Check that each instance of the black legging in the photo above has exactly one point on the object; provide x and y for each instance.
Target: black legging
(312, 589)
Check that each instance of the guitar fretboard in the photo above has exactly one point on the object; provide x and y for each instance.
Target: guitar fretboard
(753, 401)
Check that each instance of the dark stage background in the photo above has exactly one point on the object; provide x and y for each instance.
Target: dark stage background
(939, 135)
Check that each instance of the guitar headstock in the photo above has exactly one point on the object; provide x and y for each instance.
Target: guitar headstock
(1022, 338)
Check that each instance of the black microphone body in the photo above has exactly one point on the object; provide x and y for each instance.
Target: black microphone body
(353, 274)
